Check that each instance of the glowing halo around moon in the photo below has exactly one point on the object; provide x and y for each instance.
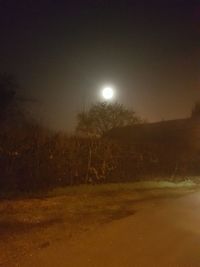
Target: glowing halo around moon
(107, 93)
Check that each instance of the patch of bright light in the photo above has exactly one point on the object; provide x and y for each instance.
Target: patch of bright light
(108, 93)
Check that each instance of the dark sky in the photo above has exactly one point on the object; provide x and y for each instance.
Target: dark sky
(62, 52)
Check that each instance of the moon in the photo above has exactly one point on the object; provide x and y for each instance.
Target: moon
(108, 93)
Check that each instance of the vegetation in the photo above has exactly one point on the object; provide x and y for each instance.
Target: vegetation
(33, 158)
(8, 87)
(102, 117)
(36, 159)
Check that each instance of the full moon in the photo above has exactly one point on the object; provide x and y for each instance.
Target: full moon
(107, 93)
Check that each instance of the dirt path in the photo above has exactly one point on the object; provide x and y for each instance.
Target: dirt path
(160, 233)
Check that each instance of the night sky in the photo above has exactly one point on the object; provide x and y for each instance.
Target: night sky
(63, 52)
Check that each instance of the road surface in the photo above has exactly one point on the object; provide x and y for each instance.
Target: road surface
(162, 232)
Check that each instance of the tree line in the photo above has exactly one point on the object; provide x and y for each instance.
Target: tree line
(34, 158)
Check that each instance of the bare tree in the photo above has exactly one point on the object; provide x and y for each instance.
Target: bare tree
(102, 117)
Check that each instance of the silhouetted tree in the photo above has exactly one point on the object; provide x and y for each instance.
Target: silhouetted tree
(102, 117)
(8, 87)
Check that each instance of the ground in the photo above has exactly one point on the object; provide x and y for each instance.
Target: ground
(149, 224)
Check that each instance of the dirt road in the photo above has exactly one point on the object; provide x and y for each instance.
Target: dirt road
(163, 232)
